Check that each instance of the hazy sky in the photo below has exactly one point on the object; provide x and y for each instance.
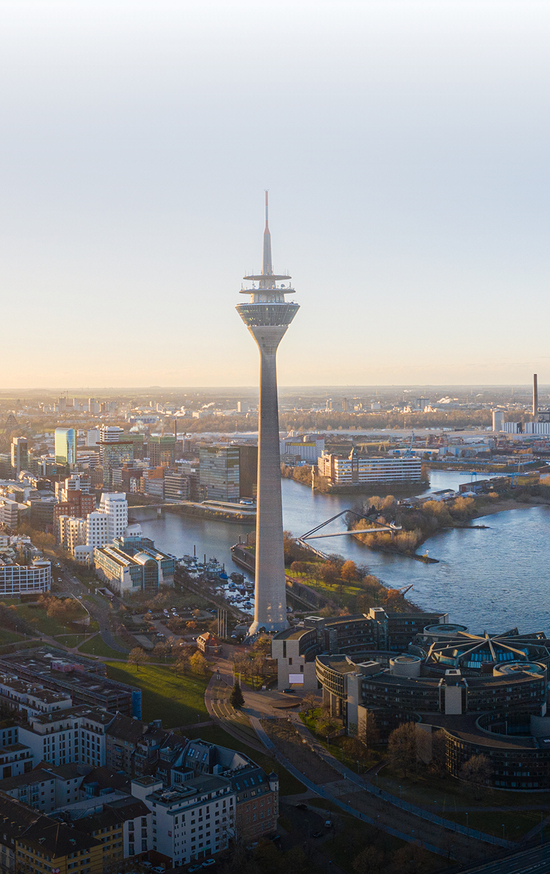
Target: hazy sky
(405, 145)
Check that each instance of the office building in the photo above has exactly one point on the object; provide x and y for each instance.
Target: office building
(162, 450)
(219, 472)
(486, 694)
(115, 506)
(132, 564)
(24, 579)
(19, 454)
(84, 680)
(65, 446)
(115, 455)
(248, 471)
(267, 316)
(308, 450)
(361, 470)
(177, 487)
(498, 420)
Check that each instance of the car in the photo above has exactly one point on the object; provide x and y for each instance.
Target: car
(314, 835)
(208, 863)
(146, 864)
(328, 823)
(159, 869)
(301, 806)
(194, 868)
(288, 691)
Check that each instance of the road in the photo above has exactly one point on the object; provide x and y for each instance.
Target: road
(99, 608)
(536, 861)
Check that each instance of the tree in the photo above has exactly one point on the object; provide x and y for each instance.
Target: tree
(402, 747)
(370, 734)
(330, 573)
(477, 771)
(368, 861)
(236, 699)
(349, 572)
(199, 665)
(137, 657)
(262, 645)
(309, 703)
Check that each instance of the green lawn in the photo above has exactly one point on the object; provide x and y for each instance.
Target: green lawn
(288, 784)
(40, 620)
(9, 636)
(97, 646)
(71, 640)
(175, 700)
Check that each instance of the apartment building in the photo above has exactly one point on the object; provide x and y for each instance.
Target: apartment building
(73, 735)
(190, 821)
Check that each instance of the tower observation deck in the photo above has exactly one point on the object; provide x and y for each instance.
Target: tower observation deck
(267, 316)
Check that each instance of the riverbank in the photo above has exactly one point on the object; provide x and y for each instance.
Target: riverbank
(510, 504)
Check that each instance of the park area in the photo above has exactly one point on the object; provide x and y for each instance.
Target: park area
(178, 700)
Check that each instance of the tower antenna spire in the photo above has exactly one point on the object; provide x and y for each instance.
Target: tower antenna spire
(267, 267)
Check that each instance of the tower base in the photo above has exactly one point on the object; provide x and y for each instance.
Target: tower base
(267, 627)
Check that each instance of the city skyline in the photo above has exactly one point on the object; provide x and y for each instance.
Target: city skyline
(406, 160)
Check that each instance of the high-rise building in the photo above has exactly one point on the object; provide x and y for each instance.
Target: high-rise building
(267, 316)
(248, 471)
(19, 454)
(65, 446)
(162, 450)
(113, 456)
(115, 506)
(219, 472)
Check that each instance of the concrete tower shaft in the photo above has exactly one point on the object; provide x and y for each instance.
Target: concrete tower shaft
(267, 316)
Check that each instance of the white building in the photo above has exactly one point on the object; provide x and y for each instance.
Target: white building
(97, 529)
(498, 420)
(356, 469)
(17, 579)
(93, 436)
(307, 449)
(28, 700)
(192, 820)
(115, 506)
(72, 533)
(73, 735)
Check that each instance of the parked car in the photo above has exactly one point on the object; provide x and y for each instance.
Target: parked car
(208, 863)
(288, 691)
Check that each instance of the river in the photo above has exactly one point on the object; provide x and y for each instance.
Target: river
(491, 579)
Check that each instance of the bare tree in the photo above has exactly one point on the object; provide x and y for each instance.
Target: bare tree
(137, 657)
(477, 771)
(402, 747)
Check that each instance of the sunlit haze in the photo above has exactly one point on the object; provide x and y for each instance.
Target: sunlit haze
(404, 145)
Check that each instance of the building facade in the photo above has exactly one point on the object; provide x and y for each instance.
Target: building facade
(359, 470)
(219, 472)
(65, 446)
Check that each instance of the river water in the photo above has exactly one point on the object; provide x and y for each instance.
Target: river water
(492, 579)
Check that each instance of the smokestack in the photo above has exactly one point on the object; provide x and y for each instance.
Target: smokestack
(535, 397)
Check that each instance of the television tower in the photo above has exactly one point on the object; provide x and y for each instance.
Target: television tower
(267, 316)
